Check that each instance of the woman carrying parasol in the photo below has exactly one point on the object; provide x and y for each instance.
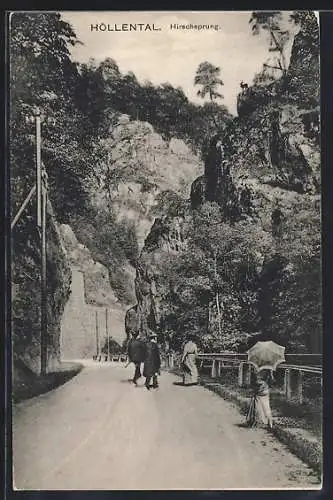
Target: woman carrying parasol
(265, 357)
(260, 408)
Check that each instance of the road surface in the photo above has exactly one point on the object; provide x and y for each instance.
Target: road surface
(99, 432)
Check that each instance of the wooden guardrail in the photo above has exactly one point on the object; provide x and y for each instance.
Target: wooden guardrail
(294, 368)
(295, 359)
(111, 357)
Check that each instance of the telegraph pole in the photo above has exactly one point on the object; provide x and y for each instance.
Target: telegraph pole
(97, 336)
(41, 192)
(38, 168)
(107, 332)
(44, 333)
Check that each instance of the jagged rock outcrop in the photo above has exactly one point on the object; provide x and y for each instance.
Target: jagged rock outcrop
(303, 71)
(147, 167)
(97, 287)
(141, 175)
(216, 185)
(250, 98)
(166, 238)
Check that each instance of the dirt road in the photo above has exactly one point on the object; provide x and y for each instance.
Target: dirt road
(98, 431)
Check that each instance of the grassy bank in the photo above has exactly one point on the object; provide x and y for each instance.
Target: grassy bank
(27, 384)
(297, 426)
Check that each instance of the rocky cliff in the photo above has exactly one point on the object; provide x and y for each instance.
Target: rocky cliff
(141, 176)
(26, 293)
(166, 239)
(263, 172)
(146, 169)
(93, 310)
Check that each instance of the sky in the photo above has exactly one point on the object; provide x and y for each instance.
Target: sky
(173, 55)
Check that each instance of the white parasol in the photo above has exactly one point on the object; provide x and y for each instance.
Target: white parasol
(266, 355)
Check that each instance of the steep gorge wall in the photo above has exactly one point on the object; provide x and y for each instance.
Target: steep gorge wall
(26, 293)
(147, 168)
(165, 240)
(92, 301)
(79, 338)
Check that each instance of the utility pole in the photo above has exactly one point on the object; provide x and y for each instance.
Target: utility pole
(107, 332)
(38, 168)
(41, 192)
(44, 333)
(97, 336)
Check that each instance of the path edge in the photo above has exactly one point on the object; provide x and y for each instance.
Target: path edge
(308, 449)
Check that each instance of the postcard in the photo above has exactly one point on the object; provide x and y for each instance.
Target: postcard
(165, 182)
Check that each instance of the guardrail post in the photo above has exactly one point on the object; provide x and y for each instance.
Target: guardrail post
(247, 377)
(300, 386)
(219, 368)
(287, 384)
(241, 374)
(213, 372)
(171, 361)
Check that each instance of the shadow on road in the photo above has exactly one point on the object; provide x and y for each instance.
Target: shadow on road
(181, 384)
(242, 425)
(28, 385)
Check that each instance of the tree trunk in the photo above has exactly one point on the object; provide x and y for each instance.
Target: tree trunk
(283, 62)
(218, 313)
(217, 299)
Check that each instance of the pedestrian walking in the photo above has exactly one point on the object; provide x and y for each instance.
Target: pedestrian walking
(136, 351)
(152, 361)
(260, 408)
(188, 361)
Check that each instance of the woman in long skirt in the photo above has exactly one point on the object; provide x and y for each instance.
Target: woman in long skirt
(190, 375)
(260, 408)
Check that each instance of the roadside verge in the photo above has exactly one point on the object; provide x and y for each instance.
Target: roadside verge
(28, 385)
(300, 441)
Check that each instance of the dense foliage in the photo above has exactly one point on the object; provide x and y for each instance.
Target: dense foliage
(254, 274)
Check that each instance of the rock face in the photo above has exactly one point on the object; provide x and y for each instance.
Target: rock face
(166, 239)
(304, 60)
(97, 287)
(262, 172)
(140, 176)
(149, 167)
(26, 293)
(84, 326)
(93, 308)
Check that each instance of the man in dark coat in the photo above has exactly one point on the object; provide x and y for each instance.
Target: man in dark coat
(136, 353)
(152, 361)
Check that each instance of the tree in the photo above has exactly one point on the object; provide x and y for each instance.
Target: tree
(270, 22)
(208, 76)
(213, 281)
(43, 75)
(91, 99)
